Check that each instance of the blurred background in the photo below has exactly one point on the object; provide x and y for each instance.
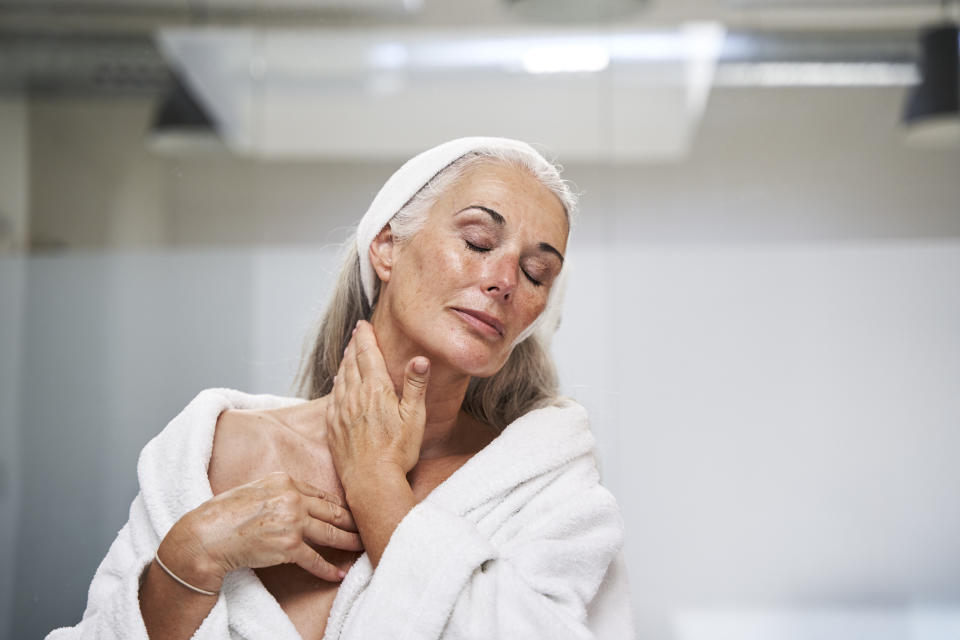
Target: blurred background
(763, 316)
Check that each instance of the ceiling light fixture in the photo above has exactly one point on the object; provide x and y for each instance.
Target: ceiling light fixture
(570, 59)
(932, 113)
(181, 124)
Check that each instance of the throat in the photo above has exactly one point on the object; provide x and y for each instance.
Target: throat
(430, 473)
(465, 435)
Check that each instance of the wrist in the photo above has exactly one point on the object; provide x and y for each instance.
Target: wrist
(373, 479)
(379, 499)
(183, 553)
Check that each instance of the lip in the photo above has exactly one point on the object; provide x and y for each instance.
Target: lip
(483, 321)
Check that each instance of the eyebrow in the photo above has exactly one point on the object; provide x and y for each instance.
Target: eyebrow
(500, 220)
(549, 247)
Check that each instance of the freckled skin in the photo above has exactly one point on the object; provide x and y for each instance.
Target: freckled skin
(435, 272)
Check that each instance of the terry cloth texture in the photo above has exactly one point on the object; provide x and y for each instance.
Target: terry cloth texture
(520, 542)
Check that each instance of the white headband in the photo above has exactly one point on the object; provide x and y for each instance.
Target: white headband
(409, 179)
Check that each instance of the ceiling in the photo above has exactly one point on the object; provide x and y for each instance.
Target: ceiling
(222, 47)
(96, 46)
(139, 15)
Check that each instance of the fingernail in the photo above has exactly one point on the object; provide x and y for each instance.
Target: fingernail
(420, 365)
(342, 574)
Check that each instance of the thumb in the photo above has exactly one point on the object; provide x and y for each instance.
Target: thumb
(414, 393)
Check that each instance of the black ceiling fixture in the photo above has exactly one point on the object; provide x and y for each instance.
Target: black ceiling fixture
(932, 112)
(180, 110)
(181, 124)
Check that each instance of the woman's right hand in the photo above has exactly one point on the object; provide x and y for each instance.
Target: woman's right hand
(270, 521)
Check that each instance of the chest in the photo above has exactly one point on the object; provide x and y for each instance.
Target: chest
(305, 599)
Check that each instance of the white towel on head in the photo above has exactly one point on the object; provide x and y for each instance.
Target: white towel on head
(410, 178)
(520, 542)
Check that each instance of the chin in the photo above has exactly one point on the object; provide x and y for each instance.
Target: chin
(475, 360)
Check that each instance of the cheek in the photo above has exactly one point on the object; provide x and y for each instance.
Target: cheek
(444, 267)
(428, 274)
(534, 306)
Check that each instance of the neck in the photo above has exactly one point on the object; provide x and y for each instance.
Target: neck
(445, 391)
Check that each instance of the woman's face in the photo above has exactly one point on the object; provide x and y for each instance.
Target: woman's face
(479, 271)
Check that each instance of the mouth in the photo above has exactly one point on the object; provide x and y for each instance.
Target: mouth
(484, 322)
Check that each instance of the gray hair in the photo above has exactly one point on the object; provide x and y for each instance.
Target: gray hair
(527, 380)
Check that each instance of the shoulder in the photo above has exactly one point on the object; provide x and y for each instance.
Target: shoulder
(556, 412)
(217, 421)
(539, 459)
(547, 437)
(195, 424)
(250, 443)
(173, 466)
(558, 452)
(244, 442)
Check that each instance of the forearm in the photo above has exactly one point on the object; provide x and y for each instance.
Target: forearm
(379, 500)
(169, 609)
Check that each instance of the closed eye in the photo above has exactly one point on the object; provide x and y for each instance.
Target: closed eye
(533, 280)
(481, 249)
(477, 248)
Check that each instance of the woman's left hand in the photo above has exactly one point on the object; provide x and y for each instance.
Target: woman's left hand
(372, 431)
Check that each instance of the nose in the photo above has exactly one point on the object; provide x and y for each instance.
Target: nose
(500, 279)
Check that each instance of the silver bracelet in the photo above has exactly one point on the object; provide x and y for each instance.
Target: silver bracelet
(156, 556)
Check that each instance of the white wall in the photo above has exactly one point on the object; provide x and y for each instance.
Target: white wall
(14, 231)
(779, 425)
(112, 347)
(11, 324)
(92, 182)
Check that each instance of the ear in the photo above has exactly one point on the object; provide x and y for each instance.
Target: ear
(381, 253)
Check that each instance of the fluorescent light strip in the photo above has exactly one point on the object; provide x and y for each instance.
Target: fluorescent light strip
(570, 59)
(816, 74)
(548, 54)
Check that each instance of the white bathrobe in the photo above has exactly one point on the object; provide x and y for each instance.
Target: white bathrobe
(520, 542)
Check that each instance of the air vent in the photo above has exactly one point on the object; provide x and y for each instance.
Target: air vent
(576, 10)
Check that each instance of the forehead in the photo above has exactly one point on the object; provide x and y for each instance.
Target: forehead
(515, 194)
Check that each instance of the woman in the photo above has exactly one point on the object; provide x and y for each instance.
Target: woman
(434, 471)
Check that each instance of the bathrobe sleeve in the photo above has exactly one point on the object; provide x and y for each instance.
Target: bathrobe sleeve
(172, 471)
(441, 577)
(113, 602)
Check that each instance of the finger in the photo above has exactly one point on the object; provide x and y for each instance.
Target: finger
(369, 357)
(339, 388)
(314, 492)
(332, 512)
(308, 559)
(351, 373)
(325, 534)
(342, 367)
(331, 419)
(416, 376)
